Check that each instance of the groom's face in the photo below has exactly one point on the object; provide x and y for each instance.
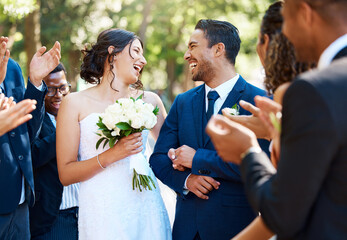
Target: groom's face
(199, 57)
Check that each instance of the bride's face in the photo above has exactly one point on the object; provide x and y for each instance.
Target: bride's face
(128, 64)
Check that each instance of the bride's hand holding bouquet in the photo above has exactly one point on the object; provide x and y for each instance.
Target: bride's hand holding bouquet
(119, 127)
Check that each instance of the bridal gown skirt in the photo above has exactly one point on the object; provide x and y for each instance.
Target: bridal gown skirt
(109, 208)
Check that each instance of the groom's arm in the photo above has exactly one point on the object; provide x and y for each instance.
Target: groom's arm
(159, 161)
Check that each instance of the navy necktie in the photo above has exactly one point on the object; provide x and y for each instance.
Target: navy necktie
(212, 96)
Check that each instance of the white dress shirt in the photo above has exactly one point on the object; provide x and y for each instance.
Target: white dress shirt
(331, 51)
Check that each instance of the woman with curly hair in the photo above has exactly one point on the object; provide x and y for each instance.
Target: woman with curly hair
(109, 208)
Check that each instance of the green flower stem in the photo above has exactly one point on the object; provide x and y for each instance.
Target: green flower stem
(143, 181)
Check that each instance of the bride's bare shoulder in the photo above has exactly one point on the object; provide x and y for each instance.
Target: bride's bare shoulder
(151, 97)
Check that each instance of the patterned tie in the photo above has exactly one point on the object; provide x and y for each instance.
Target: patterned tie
(212, 97)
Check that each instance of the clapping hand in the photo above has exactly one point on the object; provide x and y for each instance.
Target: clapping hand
(12, 115)
(43, 63)
(230, 139)
(252, 122)
(4, 56)
(270, 114)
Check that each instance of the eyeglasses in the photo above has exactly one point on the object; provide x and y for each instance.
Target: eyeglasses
(63, 89)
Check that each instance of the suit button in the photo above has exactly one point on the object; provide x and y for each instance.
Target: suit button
(200, 171)
(20, 157)
(13, 134)
(208, 171)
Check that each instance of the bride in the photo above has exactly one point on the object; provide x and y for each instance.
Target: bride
(109, 208)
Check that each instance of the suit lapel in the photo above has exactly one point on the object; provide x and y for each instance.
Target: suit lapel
(198, 105)
(233, 97)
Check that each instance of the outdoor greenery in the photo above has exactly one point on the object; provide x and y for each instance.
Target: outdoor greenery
(163, 25)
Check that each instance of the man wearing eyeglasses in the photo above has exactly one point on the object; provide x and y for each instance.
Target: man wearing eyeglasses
(54, 215)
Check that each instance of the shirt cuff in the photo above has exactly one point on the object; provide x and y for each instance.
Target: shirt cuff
(39, 87)
(251, 150)
(185, 189)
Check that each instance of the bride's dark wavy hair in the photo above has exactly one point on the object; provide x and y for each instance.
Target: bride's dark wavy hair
(92, 68)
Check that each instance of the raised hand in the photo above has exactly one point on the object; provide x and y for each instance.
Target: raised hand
(43, 63)
(4, 56)
(250, 121)
(230, 139)
(267, 108)
(16, 114)
(129, 145)
(201, 185)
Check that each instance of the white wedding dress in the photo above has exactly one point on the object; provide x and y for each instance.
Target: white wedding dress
(109, 208)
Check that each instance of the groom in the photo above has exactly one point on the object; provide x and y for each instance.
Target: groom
(211, 203)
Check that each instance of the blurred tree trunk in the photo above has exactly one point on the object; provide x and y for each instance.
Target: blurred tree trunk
(145, 20)
(170, 69)
(73, 68)
(32, 33)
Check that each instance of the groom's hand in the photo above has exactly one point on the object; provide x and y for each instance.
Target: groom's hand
(184, 156)
(201, 185)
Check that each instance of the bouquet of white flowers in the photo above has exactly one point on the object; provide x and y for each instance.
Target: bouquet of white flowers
(234, 110)
(121, 119)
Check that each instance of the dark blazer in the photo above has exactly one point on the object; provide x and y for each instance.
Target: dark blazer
(15, 154)
(227, 211)
(307, 197)
(48, 188)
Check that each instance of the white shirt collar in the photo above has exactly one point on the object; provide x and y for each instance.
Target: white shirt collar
(224, 89)
(52, 119)
(331, 51)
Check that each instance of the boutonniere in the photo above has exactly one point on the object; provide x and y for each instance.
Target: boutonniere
(234, 110)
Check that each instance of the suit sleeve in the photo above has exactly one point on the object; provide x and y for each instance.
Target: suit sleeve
(34, 125)
(159, 161)
(308, 142)
(43, 150)
(207, 161)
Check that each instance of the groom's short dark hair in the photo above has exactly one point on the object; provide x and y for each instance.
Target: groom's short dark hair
(224, 32)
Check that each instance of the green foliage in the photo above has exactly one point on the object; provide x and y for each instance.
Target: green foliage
(76, 23)
(16, 9)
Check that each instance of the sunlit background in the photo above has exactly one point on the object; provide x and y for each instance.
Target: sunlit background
(163, 25)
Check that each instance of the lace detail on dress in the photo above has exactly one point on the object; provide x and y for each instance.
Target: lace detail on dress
(108, 206)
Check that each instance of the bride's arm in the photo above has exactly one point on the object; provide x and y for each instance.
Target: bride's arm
(154, 99)
(68, 140)
(255, 230)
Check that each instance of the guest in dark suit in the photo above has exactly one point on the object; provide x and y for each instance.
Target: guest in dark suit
(211, 202)
(16, 176)
(54, 215)
(307, 197)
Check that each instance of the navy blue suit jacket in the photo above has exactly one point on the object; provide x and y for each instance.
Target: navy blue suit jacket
(227, 210)
(15, 154)
(307, 197)
(48, 188)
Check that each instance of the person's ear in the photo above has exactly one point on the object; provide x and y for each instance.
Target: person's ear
(306, 14)
(110, 49)
(266, 42)
(219, 49)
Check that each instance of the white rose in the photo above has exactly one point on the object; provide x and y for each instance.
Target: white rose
(109, 122)
(148, 107)
(114, 109)
(136, 121)
(126, 103)
(232, 111)
(115, 132)
(150, 120)
(139, 104)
